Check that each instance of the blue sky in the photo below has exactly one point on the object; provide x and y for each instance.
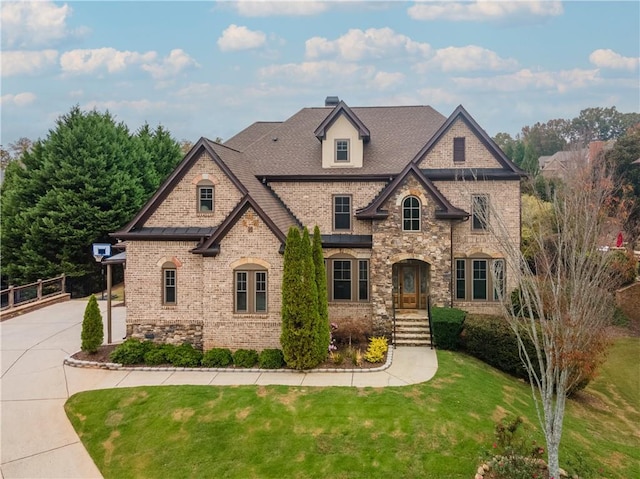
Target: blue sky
(212, 68)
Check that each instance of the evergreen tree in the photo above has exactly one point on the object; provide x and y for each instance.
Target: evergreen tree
(87, 178)
(92, 332)
(324, 334)
(299, 303)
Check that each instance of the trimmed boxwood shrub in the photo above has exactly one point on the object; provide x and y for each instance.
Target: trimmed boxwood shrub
(159, 354)
(245, 358)
(447, 326)
(271, 359)
(132, 351)
(217, 358)
(185, 356)
(491, 339)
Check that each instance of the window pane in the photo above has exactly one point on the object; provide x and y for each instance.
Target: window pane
(241, 291)
(461, 287)
(479, 279)
(169, 285)
(498, 279)
(342, 150)
(363, 281)
(206, 198)
(342, 280)
(261, 291)
(480, 206)
(342, 212)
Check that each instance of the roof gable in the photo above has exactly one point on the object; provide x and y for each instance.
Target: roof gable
(342, 109)
(445, 209)
(461, 114)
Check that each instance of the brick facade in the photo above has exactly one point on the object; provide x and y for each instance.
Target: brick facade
(204, 313)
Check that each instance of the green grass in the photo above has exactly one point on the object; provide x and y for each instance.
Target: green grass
(438, 429)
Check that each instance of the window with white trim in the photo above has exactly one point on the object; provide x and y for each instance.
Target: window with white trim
(205, 192)
(250, 290)
(479, 279)
(411, 214)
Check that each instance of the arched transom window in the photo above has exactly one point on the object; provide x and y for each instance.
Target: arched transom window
(411, 214)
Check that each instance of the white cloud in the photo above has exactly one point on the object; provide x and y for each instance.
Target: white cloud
(29, 24)
(135, 105)
(432, 96)
(177, 61)
(21, 99)
(89, 61)
(484, 10)
(561, 81)
(468, 58)
(240, 38)
(265, 8)
(357, 44)
(385, 80)
(19, 62)
(609, 59)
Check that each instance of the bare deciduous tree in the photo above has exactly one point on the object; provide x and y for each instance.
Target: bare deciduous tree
(565, 296)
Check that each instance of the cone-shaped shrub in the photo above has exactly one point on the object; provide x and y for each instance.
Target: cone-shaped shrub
(324, 334)
(299, 303)
(92, 333)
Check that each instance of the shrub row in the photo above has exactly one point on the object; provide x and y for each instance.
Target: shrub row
(491, 339)
(133, 351)
(447, 325)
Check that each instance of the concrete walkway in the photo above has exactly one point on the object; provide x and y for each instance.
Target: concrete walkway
(37, 440)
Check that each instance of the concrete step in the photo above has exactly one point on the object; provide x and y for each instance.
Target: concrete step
(413, 342)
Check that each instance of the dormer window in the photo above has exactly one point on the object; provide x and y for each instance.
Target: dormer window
(342, 151)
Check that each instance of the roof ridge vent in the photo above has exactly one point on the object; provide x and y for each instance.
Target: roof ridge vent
(331, 101)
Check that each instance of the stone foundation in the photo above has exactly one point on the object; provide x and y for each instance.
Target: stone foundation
(170, 333)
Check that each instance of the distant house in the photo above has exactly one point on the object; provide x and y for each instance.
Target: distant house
(400, 194)
(560, 163)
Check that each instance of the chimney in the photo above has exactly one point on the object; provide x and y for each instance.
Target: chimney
(331, 101)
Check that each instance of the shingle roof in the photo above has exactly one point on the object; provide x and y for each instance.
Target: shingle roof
(250, 134)
(396, 135)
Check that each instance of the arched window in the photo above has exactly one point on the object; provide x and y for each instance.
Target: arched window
(205, 192)
(411, 214)
(169, 283)
(250, 289)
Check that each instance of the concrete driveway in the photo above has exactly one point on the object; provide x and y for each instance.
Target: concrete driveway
(37, 440)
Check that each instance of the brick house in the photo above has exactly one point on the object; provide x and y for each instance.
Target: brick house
(398, 193)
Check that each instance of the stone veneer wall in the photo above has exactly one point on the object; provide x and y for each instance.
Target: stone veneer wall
(312, 202)
(180, 207)
(171, 333)
(391, 245)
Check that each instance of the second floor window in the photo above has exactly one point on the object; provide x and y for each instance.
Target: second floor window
(342, 150)
(480, 212)
(411, 214)
(459, 149)
(205, 199)
(342, 213)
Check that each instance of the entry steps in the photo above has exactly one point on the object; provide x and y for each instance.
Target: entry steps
(412, 328)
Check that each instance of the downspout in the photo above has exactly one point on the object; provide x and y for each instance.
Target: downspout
(452, 266)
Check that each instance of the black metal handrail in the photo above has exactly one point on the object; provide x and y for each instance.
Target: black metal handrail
(393, 318)
(430, 323)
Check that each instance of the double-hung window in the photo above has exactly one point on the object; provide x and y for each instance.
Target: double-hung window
(250, 291)
(342, 151)
(479, 279)
(342, 213)
(479, 212)
(169, 284)
(348, 279)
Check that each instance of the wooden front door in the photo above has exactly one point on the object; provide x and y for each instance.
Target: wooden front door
(408, 287)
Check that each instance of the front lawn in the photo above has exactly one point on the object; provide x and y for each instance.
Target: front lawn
(438, 429)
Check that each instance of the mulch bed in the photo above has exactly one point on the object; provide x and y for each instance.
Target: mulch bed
(102, 356)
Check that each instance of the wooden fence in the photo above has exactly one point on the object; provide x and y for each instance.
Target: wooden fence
(17, 296)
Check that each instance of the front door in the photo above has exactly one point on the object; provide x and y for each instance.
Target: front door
(408, 286)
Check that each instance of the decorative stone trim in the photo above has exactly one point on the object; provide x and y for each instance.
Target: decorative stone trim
(78, 363)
